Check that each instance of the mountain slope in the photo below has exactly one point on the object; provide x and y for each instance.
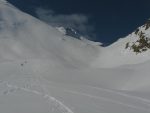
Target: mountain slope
(117, 54)
(23, 36)
(44, 71)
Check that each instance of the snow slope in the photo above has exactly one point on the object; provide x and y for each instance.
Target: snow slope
(44, 71)
(116, 55)
(23, 36)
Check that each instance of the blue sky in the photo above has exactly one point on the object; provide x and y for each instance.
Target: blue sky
(101, 20)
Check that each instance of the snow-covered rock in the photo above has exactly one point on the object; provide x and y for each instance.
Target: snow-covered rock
(62, 30)
(117, 54)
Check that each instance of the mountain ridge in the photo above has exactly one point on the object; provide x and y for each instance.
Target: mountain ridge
(30, 37)
(44, 71)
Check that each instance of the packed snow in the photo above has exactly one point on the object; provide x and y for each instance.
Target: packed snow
(44, 71)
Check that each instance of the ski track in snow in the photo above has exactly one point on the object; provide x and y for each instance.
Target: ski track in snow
(58, 104)
(133, 98)
(48, 51)
(110, 100)
(123, 94)
(64, 109)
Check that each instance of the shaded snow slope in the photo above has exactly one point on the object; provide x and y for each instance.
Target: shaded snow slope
(64, 90)
(3, 1)
(44, 71)
(23, 36)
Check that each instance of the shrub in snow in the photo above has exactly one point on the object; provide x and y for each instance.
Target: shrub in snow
(141, 45)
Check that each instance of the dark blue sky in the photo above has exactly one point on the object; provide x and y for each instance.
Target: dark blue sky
(112, 19)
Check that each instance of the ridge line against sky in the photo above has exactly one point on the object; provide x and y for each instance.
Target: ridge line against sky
(104, 20)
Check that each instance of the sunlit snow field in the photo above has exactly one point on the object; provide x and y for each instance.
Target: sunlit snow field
(44, 71)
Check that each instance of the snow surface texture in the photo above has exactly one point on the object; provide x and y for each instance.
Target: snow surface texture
(44, 71)
(3, 1)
